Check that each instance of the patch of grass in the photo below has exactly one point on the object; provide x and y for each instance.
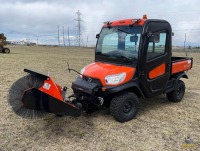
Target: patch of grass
(159, 125)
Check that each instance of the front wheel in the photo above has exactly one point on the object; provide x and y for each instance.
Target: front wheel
(6, 50)
(177, 94)
(124, 106)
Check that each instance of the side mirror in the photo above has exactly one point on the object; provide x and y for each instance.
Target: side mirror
(97, 35)
(134, 38)
(154, 38)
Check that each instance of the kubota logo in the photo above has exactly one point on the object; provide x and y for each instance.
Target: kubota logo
(89, 80)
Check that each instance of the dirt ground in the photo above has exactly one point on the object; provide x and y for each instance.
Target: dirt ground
(159, 125)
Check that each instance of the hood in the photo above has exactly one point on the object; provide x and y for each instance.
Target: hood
(100, 70)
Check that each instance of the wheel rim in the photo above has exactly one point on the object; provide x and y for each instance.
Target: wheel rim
(128, 106)
(6, 50)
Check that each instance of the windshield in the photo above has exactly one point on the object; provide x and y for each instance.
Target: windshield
(119, 45)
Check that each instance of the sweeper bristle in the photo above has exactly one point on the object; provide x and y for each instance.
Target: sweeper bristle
(16, 92)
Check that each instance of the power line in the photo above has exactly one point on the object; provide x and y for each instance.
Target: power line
(186, 29)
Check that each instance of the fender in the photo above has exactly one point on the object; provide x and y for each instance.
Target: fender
(173, 82)
(182, 75)
(132, 86)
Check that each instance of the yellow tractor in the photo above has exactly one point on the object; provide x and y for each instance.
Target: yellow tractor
(3, 43)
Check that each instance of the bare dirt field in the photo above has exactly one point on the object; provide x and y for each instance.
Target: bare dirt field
(159, 126)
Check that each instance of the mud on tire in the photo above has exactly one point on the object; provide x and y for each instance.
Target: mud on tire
(124, 106)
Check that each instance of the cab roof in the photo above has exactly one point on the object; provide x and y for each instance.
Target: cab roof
(127, 22)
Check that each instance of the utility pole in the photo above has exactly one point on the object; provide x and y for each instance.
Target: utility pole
(63, 35)
(184, 45)
(37, 40)
(79, 20)
(68, 36)
(58, 37)
(87, 41)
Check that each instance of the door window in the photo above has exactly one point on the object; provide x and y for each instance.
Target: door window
(157, 45)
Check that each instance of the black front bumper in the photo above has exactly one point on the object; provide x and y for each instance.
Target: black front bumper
(85, 87)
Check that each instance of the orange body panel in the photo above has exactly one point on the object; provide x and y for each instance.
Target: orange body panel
(158, 71)
(51, 88)
(101, 70)
(181, 66)
(126, 22)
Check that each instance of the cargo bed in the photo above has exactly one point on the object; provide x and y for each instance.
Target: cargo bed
(180, 64)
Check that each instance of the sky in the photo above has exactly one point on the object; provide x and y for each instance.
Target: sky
(38, 20)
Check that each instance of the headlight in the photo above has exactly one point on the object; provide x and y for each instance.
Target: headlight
(115, 78)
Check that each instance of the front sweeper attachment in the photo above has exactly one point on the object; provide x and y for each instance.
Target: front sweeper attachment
(35, 94)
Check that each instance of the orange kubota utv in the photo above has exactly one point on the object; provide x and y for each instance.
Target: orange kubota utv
(133, 59)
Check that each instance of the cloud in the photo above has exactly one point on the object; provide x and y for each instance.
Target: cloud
(40, 18)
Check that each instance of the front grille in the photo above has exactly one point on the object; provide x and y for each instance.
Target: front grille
(92, 80)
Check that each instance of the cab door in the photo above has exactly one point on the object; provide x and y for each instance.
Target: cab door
(155, 58)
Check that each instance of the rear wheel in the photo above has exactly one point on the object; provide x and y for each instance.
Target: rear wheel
(178, 93)
(124, 106)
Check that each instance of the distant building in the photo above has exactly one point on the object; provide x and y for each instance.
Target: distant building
(25, 43)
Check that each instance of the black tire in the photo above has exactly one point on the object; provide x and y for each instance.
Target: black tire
(59, 115)
(6, 50)
(178, 93)
(124, 106)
